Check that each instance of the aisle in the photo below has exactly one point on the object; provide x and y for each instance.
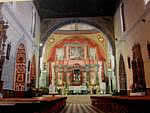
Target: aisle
(78, 99)
(80, 108)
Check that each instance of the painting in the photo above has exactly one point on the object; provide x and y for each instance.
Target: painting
(76, 53)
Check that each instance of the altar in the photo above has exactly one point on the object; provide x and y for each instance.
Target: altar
(74, 67)
(78, 90)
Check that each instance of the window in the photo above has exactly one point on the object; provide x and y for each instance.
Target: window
(12, 5)
(146, 1)
(122, 17)
(8, 51)
(33, 22)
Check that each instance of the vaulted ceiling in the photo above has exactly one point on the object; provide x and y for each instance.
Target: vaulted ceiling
(75, 8)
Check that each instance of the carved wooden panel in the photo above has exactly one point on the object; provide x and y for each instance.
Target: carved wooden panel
(20, 68)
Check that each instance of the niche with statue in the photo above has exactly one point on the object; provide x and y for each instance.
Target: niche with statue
(139, 86)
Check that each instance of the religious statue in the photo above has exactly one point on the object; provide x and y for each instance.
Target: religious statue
(76, 75)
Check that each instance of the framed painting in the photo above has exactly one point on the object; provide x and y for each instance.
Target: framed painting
(76, 53)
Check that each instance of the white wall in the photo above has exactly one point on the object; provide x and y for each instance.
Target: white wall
(19, 18)
(137, 31)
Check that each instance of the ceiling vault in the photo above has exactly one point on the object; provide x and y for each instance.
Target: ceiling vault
(75, 8)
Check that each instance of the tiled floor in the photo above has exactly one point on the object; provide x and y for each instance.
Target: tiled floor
(80, 108)
(79, 104)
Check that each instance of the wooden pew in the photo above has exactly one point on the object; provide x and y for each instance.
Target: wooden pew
(32, 105)
(122, 104)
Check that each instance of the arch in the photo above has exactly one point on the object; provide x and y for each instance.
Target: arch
(51, 29)
(20, 70)
(122, 76)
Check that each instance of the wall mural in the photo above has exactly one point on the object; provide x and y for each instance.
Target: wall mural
(20, 68)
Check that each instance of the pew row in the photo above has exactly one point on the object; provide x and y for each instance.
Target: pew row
(122, 104)
(32, 105)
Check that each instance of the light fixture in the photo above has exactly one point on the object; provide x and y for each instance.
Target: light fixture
(52, 40)
(41, 44)
(100, 38)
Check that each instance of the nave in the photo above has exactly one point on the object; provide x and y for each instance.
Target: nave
(56, 59)
(80, 108)
(79, 104)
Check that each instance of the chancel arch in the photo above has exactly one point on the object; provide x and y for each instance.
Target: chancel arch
(103, 26)
(77, 58)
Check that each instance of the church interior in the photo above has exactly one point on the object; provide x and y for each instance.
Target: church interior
(66, 56)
